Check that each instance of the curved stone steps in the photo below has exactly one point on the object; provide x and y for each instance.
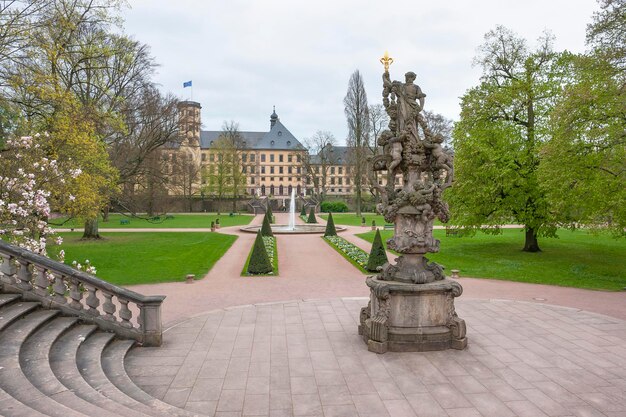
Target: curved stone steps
(13, 381)
(65, 369)
(15, 310)
(113, 366)
(8, 298)
(93, 372)
(10, 407)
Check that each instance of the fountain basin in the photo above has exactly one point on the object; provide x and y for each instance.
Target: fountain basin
(284, 229)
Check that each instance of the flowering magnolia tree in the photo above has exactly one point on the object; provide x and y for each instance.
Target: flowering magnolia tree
(28, 182)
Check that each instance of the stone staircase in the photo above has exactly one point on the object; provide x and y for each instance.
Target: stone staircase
(55, 365)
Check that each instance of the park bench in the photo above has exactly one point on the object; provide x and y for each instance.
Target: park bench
(124, 221)
(453, 231)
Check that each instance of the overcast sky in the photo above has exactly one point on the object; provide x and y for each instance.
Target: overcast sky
(246, 56)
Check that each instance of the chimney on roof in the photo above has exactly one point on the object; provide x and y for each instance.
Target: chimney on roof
(273, 118)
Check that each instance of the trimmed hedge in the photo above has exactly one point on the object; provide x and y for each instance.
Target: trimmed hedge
(259, 261)
(330, 226)
(266, 228)
(378, 256)
(334, 206)
(312, 218)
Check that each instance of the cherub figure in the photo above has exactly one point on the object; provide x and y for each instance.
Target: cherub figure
(396, 151)
(442, 159)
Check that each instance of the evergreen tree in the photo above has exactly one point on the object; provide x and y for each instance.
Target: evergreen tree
(269, 214)
(330, 226)
(303, 211)
(378, 256)
(312, 218)
(259, 261)
(266, 229)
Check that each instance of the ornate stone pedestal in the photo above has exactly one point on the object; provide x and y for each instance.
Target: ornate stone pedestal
(403, 317)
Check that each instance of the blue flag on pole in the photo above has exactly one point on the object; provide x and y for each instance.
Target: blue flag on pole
(187, 84)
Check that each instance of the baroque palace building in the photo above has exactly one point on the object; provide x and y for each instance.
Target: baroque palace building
(273, 162)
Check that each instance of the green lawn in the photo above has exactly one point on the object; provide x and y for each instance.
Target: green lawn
(351, 219)
(576, 259)
(146, 258)
(195, 220)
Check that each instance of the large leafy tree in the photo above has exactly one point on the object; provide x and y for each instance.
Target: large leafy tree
(584, 165)
(497, 140)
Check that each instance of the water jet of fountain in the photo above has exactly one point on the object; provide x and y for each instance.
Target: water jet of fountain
(292, 210)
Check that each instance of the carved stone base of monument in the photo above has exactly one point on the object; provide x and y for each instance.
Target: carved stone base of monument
(406, 317)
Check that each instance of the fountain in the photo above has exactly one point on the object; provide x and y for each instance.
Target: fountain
(411, 302)
(292, 227)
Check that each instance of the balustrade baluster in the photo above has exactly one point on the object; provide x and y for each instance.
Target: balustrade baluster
(8, 269)
(76, 295)
(59, 289)
(125, 314)
(108, 307)
(92, 301)
(24, 276)
(41, 281)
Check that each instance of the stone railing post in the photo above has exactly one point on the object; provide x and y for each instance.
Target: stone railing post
(150, 322)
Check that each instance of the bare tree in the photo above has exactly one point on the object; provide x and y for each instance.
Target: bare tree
(378, 121)
(318, 160)
(225, 171)
(439, 124)
(151, 121)
(357, 115)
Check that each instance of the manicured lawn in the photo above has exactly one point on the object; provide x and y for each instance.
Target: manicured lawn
(351, 219)
(146, 258)
(199, 220)
(576, 259)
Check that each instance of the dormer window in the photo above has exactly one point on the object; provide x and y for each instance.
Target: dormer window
(288, 143)
(211, 143)
(272, 143)
(280, 133)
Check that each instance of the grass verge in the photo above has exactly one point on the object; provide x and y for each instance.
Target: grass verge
(353, 254)
(351, 219)
(182, 221)
(146, 258)
(578, 259)
(274, 259)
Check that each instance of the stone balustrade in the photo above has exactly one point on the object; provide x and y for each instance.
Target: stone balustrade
(59, 286)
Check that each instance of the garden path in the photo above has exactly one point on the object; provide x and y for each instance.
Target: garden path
(310, 269)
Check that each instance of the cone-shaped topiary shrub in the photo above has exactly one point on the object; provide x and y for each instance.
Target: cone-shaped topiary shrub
(303, 211)
(378, 256)
(266, 229)
(269, 213)
(259, 261)
(330, 226)
(312, 218)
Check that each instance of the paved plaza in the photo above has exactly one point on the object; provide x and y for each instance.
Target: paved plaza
(234, 346)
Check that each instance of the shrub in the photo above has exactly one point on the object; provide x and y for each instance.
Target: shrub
(259, 261)
(269, 213)
(266, 229)
(212, 225)
(312, 218)
(373, 223)
(330, 226)
(378, 256)
(363, 221)
(334, 206)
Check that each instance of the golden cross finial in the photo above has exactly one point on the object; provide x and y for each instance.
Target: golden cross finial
(386, 61)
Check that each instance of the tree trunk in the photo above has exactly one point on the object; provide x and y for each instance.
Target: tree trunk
(105, 213)
(91, 229)
(531, 244)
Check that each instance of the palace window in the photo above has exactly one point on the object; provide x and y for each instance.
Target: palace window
(271, 170)
(212, 157)
(244, 158)
(332, 170)
(262, 170)
(339, 180)
(298, 170)
(340, 170)
(251, 169)
(271, 157)
(203, 157)
(262, 157)
(280, 169)
(298, 158)
(252, 157)
(280, 158)
(289, 158)
(263, 190)
(289, 170)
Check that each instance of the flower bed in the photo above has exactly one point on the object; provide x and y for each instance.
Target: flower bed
(357, 256)
(270, 246)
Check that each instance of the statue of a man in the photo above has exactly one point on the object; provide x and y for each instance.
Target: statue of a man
(410, 99)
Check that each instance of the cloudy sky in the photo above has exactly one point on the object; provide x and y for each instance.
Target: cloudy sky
(246, 56)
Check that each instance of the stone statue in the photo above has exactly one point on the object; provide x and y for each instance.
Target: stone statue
(412, 150)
